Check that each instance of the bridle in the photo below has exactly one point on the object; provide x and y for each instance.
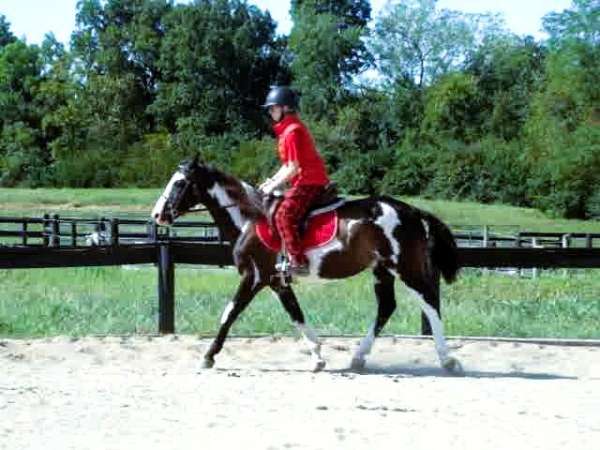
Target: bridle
(175, 206)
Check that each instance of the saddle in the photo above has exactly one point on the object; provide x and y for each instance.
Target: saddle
(326, 201)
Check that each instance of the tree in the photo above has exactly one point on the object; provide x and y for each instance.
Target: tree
(6, 36)
(581, 23)
(452, 108)
(509, 70)
(562, 129)
(218, 59)
(120, 40)
(415, 40)
(23, 153)
(327, 49)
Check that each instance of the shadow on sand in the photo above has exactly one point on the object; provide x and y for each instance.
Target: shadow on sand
(430, 371)
(408, 371)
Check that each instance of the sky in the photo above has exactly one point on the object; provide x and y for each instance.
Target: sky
(32, 19)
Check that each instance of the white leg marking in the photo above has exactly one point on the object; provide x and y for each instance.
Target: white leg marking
(366, 344)
(226, 312)
(256, 275)
(388, 221)
(426, 226)
(313, 343)
(220, 195)
(437, 327)
(160, 203)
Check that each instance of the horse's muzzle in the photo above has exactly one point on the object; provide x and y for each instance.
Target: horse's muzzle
(163, 219)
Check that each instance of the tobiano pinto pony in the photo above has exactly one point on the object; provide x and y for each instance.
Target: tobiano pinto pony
(389, 237)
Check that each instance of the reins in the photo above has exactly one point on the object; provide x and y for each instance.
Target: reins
(205, 209)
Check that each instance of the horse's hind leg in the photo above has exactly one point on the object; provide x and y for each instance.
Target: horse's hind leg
(426, 292)
(290, 303)
(247, 290)
(386, 304)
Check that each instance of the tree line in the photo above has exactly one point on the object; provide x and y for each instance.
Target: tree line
(417, 101)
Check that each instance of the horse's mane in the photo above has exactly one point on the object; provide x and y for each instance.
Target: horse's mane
(245, 195)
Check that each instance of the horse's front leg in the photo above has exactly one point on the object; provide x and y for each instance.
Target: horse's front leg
(290, 303)
(247, 290)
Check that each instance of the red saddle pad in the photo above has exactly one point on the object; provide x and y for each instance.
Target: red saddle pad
(321, 229)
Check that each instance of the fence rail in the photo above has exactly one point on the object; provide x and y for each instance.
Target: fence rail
(200, 243)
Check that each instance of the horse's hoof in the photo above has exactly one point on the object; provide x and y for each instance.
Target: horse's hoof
(319, 365)
(357, 364)
(452, 365)
(207, 363)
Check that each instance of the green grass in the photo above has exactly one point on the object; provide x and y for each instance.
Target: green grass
(119, 300)
(139, 202)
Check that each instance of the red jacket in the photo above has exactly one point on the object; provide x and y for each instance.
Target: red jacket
(295, 143)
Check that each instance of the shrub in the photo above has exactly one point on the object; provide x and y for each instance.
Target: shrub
(150, 162)
(87, 168)
(565, 181)
(255, 160)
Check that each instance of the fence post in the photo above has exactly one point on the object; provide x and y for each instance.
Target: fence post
(73, 233)
(518, 242)
(55, 238)
(114, 232)
(45, 232)
(566, 243)
(166, 290)
(534, 244)
(152, 231)
(24, 231)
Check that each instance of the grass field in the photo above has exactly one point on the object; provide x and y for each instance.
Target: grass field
(124, 300)
(139, 202)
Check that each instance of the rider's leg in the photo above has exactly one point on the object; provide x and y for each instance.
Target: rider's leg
(293, 207)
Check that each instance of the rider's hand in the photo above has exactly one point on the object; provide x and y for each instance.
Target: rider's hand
(267, 187)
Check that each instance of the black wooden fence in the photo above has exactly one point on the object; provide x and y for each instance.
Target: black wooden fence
(52, 242)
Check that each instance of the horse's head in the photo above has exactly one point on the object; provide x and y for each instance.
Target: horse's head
(186, 188)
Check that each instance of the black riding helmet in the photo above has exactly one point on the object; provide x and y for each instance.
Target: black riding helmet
(282, 95)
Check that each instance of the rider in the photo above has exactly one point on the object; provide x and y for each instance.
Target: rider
(302, 166)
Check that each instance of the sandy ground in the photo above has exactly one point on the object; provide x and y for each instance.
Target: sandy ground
(148, 392)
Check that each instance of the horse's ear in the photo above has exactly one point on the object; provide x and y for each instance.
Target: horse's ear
(198, 161)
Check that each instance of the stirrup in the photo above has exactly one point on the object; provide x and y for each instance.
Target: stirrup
(282, 266)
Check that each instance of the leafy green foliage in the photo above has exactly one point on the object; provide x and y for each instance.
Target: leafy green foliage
(217, 61)
(508, 71)
(581, 22)
(6, 36)
(459, 108)
(452, 107)
(417, 41)
(327, 50)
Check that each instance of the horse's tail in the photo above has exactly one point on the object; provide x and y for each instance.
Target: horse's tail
(443, 253)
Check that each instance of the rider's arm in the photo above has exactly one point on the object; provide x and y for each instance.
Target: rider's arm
(289, 169)
(284, 174)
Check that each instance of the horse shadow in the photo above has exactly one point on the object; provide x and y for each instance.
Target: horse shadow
(406, 371)
(410, 371)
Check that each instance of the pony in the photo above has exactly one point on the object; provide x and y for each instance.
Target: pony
(380, 233)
